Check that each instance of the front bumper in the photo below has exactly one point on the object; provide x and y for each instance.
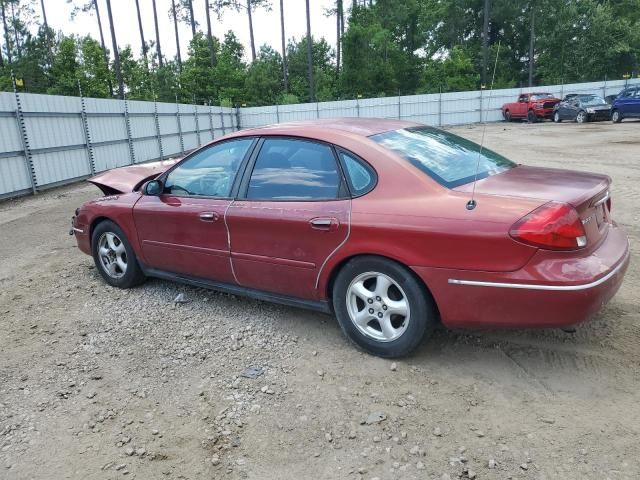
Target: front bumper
(81, 232)
(553, 290)
(599, 115)
(543, 112)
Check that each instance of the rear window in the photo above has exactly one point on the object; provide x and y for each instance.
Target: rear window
(447, 158)
(541, 96)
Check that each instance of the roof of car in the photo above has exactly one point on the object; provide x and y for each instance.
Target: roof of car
(360, 126)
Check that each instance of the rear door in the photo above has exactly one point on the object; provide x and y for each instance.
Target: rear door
(183, 230)
(522, 106)
(634, 104)
(292, 212)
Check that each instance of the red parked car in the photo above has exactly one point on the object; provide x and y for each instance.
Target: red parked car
(532, 106)
(368, 219)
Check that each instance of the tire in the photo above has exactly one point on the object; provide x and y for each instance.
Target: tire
(556, 117)
(386, 285)
(581, 117)
(616, 116)
(114, 258)
(531, 116)
(507, 116)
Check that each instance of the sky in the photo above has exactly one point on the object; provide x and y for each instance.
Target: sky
(266, 24)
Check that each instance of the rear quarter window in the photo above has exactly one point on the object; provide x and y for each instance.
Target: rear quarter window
(360, 176)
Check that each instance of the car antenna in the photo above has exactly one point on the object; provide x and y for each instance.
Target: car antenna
(471, 204)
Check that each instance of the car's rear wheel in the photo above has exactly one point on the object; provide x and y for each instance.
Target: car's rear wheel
(114, 257)
(616, 116)
(581, 117)
(507, 116)
(556, 117)
(531, 116)
(382, 307)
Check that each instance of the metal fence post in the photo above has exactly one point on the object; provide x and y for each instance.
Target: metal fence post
(179, 125)
(237, 119)
(481, 105)
(157, 122)
(317, 110)
(127, 124)
(87, 132)
(604, 87)
(213, 130)
(195, 115)
(28, 158)
(277, 114)
(440, 108)
(358, 106)
(399, 107)
(222, 121)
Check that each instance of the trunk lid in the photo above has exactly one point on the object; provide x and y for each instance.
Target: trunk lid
(587, 192)
(128, 179)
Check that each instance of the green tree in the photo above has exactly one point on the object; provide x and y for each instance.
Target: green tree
(263, 84)
(323, 70)
(65, 70)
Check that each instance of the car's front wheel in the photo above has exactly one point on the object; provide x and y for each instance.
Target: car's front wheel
(556, 117)
(616, 116)
(507, 115)
(532, 117)
(581, 117)
(114, 257)
(382, 307)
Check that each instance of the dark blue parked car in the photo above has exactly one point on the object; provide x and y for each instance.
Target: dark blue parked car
(626, 104)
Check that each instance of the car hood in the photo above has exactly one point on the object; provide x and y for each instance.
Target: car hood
(128, 179)
(544, 184)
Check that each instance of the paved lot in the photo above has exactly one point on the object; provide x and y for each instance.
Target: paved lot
(97, 383)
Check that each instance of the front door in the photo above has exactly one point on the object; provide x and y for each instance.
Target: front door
(183, 230)
(291, 214)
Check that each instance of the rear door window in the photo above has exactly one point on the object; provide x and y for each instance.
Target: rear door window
(293, 169)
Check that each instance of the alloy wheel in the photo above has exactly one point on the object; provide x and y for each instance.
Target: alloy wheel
(112, 254)
(378, 306)
(581, 118)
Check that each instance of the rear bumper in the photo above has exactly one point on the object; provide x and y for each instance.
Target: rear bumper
(552, 290)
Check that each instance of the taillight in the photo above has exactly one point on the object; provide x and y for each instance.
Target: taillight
(554, 226)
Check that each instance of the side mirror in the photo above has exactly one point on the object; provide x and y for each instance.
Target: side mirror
(153, 188)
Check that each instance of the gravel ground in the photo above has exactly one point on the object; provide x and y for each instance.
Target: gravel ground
(102, 383)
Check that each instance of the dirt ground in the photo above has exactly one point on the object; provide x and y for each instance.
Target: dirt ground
(99, 383)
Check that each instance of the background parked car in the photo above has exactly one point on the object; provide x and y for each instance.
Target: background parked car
(582, 108)
(532, 106)
(626, 104)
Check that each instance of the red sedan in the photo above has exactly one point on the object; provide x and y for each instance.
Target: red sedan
(369, 219)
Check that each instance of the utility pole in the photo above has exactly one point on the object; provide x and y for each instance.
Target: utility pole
(531, 44)
(485, 41)
(116, 54)
(312, 90)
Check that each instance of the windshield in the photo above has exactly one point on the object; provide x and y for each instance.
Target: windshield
(591, 100)
(447, 158)
(541, 96)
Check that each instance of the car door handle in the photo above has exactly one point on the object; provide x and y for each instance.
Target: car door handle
(324, 223)
(208, 216)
